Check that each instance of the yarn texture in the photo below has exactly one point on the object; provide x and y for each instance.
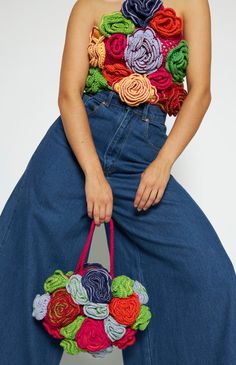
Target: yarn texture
(140, 53)
(93, 311)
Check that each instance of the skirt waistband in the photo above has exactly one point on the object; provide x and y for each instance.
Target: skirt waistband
(145, 110)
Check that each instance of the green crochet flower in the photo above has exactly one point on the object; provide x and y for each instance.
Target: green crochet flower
(95, 81)
(55, 281)
(115, 23)
(122, 286)
(70, 347)
(177, 60)
(143, 318)
(70, 330)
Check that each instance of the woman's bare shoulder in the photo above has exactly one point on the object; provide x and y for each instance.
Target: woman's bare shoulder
(105, 7)
(194, 7)
(96, 8)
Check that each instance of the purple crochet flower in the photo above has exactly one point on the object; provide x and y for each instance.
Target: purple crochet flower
(97, 283)
(143, 51)
(139, 11)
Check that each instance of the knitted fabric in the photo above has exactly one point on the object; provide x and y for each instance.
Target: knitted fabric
(72, 328)
(61, 309)
(125, 310)
(95, 81)
(96, 48)
(143, 51)
(97, 283)
(76, 289)
(115, 23)
(177, 60)
(136, 89)
(70, 347)
(140, 53)
(92, 336)
(115, 47)
(143, 318)
(140, 11)
(127, 340)
(122, 286)
(116, 72)
(55, 281)
(94, 327)
(93, 311)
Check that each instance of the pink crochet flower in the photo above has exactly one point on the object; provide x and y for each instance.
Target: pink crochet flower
(92, 336)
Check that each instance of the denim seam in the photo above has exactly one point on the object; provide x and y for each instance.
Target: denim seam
(141, 279)
(113, 139)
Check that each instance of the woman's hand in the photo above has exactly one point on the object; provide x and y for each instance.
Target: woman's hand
(152, 184)
(99, 198)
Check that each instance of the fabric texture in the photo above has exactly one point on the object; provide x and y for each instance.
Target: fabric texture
(140, 53)
(172, 249)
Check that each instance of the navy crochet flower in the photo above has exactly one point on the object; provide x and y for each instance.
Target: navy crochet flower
(139, 11)
(97, 283)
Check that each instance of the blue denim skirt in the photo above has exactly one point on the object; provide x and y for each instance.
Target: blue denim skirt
(172, 248)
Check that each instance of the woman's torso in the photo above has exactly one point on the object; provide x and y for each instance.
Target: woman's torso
(140, 53)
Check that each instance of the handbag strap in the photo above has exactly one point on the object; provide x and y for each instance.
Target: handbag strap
(80, 265)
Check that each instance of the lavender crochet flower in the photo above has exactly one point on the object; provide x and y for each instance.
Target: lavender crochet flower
(139, 11)
(97, 283)
(143, 51)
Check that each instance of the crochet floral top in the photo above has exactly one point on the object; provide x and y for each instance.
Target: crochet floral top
(139, 52)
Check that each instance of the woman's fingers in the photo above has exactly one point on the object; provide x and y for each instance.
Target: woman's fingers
(90, 209)
(144, 198)
(159, 195)
(96, 215)
(139, 195)
(108, 211)
(151, 199)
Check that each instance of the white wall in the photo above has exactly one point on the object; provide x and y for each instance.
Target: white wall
(31, 43)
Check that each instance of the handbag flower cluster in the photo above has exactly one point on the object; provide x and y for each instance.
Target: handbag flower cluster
(90, 310)
(140, 53)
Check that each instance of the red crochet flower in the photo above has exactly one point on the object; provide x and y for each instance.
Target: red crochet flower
(116, 72)
(166, 23)
(92, 336)
(172, 98)
(125, 310)
(161, 79)
(61, 309)
(53, 331)
(127, 340)
(115, 46)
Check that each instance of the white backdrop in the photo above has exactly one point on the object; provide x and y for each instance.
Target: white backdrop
(31, 44)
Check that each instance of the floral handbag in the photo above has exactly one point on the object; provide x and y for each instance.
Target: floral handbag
(90, 310)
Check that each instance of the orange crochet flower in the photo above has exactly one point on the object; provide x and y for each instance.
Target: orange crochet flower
(166, 23)
(125, 310)
(136, 89)
(116, 72)
(96, 48)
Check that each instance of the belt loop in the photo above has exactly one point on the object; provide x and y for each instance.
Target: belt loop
(145, 112)
(107, 102)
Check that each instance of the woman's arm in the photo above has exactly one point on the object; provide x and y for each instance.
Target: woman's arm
(74, 70)
(197, 32)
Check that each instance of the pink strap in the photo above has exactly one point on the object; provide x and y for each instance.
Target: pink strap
(80, 265)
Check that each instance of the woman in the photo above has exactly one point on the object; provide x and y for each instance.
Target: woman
(108, 155)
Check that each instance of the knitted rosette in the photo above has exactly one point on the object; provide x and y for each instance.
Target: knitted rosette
(90, 310)
(140, 53)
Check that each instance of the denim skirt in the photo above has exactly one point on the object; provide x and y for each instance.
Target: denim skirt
(172, 248)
